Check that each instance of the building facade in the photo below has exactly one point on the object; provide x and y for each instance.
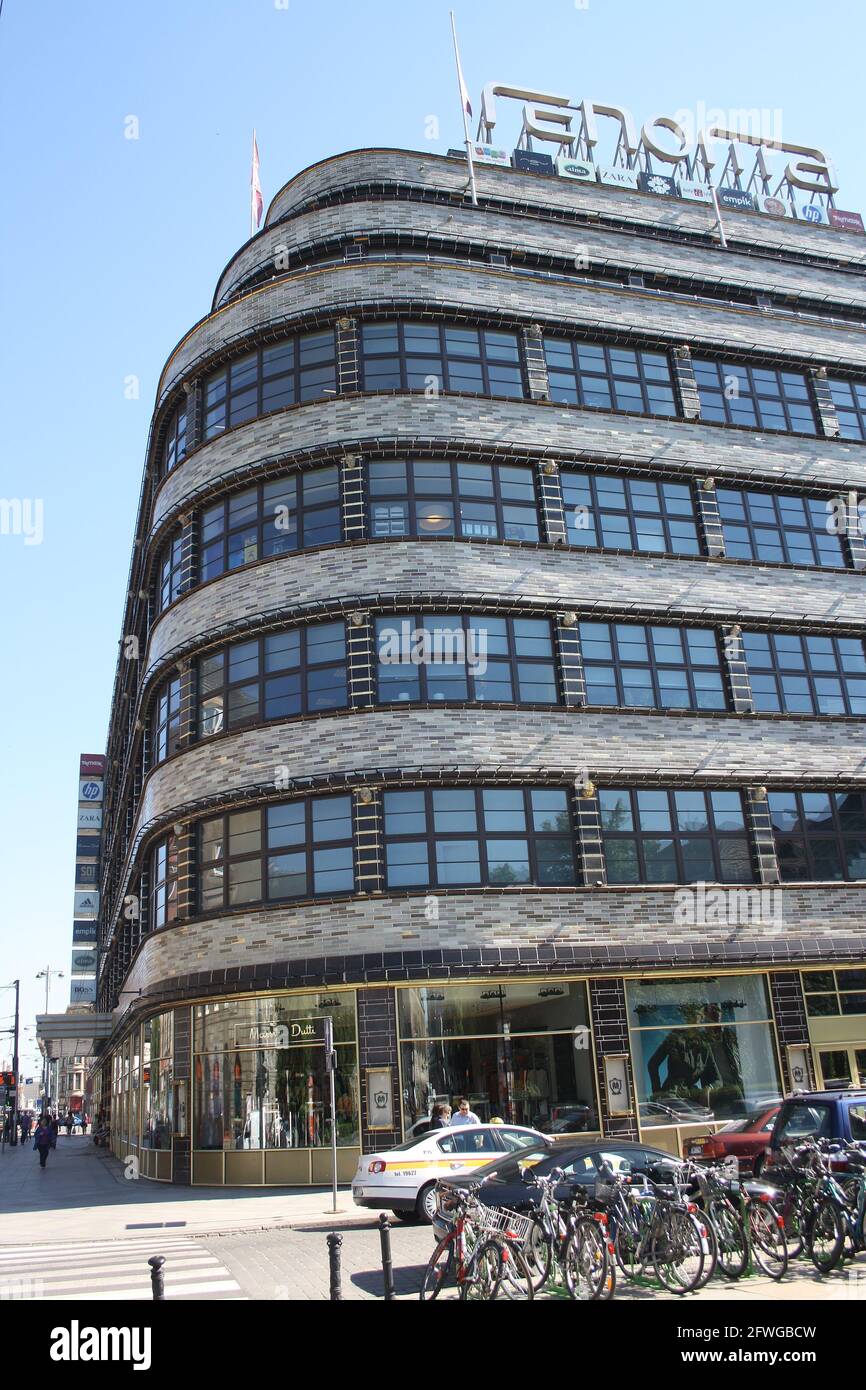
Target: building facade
(492, 680)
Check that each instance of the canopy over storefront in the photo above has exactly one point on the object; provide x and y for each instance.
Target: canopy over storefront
(62, 1036)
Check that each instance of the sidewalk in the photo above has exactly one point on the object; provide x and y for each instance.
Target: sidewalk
(83, 1191)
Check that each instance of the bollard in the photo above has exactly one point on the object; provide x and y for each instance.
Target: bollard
(387, 1262)
(334, 1243)
(157, 1277)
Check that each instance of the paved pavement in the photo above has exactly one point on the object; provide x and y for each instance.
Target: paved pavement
(242, 1243)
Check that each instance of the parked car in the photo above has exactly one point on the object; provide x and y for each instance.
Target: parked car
(818, 1115)
(507, 1182)
(404, 1178)
(569, 1119)
(674, 1110)
(745, 1140)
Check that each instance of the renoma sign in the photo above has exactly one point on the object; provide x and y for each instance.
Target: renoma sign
(712, 156)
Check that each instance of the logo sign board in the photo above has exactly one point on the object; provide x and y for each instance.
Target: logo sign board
(85, 874)
(773, 207)
(87, 847)
(300, 1032)
(488, 154)
(90, 818)
(568, 168)
(620, 178)
(84, 962)
(82, 991)
(737, 199)
(87, 904)
(847, 221)
(91, 765)
(83, 932)
(531, 162)
(813, 212)
(695, 192)
(90, 789)
(659, 184)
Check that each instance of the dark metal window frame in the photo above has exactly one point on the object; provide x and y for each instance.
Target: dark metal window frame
(713, 397)
(638, 836)
(621, 667)
(849, 399)
(234, 399)
(839, 991)
(573, 478)
(174, 447)
(513, 660)
(165, 876)
(263, 855)
(167, 718)
(260, 681)
(169, 581)
(611, 375)
(414, 496)
(807, 672)
(441, 361)
(785, 530)
(483, 837)
(215, 549)
(805, 838)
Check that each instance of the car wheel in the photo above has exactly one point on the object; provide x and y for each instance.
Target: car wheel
(410, 1217)
(426, 1204)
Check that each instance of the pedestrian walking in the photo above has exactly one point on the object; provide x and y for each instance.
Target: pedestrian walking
(26, 1126)
(463, 1115)
(54, 1130)
(42, 1142)
(70, 1121)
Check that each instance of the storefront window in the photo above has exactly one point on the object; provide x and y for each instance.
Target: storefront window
(255, 1087)
(156, 1083)
(519, 1052)
(703, 1049)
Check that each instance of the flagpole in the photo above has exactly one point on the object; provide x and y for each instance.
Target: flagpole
(252, 190)
(463, 102)
(719, 223)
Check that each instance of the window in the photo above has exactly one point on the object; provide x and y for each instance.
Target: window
(297, 849)
(174, 448)
(806, 675)
(620, 513)
(609, 378)
(505, 660)
(300, 671)
(170, 572)
(475, 501)
(675, 837)
(758, 397)
(478, 836)
(830, 993)
(778, 528)
(276, 518)
(820, 836)
(849, 398)
(163, 868)
(440, 357)
(282, 374)
(167, 731)
(651, 667)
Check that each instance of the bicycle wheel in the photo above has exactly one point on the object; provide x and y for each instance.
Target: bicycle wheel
(677, 1251)
(710, 1248)
(483, 1274)
(590, 1274)
(515, 1282)
(626, 1249)
(731, 1237)
(795, 1224)
(826, 1237)
(538, 1254)
(767, 1239)
(440, 1271)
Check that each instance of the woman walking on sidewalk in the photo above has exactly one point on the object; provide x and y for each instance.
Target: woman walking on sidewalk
(42, 1142)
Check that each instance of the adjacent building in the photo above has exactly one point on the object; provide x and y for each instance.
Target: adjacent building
(492, 679)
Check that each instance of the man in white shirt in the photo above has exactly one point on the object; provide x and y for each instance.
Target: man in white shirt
(463, 1115)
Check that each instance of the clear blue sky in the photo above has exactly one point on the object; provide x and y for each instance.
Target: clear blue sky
(111, 248)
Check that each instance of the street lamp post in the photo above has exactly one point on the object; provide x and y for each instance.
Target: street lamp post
(46, 975)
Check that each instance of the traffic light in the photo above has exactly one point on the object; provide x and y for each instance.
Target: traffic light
(7, 1079)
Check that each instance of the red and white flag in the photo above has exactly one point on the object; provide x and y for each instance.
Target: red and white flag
(464, 95)
(257, 204)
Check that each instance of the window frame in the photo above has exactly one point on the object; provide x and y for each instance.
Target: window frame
(171, 581)
(164, 882)
(174, 449)
(214, 563)
(609, 376)
(414, 497)
(167, 719)
(212, 399)
(755, 395)
(853, 407)
(656, 668)
(805, 839)
(785, 530)
(442, 357)
(638, 836)
(482, 837)
(513, 660)
(599, 510)
(808, 673)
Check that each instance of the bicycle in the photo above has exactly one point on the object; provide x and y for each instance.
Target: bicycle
(651, 1225)
(476, 1255)
(576, 1246)
(836, 1217)
(747, 1227)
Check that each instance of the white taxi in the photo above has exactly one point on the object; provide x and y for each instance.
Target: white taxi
(404, 1178)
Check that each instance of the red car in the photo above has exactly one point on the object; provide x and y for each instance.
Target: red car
(746, 1140)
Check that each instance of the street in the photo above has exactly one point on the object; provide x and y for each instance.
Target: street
(246, 1244)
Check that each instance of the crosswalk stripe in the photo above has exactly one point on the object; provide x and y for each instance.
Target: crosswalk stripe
(124, 1272)
(120, 1252)
(181, 1291)
(37, 1251)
